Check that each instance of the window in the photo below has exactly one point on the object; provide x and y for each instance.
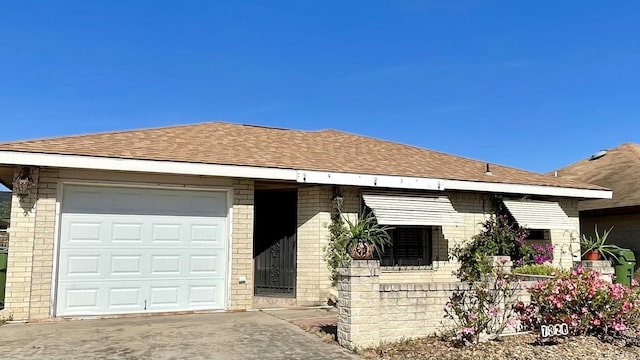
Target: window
(411, 247)
(537, 234)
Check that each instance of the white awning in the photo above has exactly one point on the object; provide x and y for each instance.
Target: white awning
(412, 209)
(539, 214)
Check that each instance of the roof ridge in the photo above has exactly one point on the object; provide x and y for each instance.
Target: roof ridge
(634, 148)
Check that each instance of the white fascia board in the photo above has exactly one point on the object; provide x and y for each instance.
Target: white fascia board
(527, 189)
(402, 182)
(382, 181)
(301, 176)
(152, 166)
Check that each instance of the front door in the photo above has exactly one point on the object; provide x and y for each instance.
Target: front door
(274, 250)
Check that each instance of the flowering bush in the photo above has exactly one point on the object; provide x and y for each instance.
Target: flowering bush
(534, 254)
(498, 237)
(584, 301)
(484, 309)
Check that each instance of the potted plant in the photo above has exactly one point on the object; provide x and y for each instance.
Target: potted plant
(365, 237)
(595, 249)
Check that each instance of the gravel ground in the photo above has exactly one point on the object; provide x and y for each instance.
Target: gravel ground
(518, 347)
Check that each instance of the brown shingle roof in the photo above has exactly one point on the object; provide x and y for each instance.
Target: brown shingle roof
(325, 150)
(618, 170)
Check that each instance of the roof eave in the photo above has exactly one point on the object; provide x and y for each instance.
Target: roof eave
(301, 176)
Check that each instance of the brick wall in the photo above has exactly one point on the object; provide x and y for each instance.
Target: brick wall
(370, 312)
(242, 245)
(313, 283)
(30, 262)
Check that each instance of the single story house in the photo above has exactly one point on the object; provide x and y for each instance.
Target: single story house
(617, 169)
(220, 216)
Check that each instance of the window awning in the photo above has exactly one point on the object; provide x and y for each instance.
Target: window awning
(539, 214)
(412, 209)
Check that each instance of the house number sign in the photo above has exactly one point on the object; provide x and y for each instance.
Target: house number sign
(554, 330)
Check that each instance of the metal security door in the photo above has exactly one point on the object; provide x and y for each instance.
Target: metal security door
(275, 242)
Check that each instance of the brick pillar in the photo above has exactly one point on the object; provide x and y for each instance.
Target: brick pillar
(359, 304)
(602, 266)
(242, 245)
(21, 243)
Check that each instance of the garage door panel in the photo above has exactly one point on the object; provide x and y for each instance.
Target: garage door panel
(82, 265)
(81, 299)
(125, 297)
(134, 257)
(123, 233)
(202, 295)
(126, 265)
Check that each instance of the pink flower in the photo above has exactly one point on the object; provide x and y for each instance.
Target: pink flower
(501, 281)
(596, 322)
(626, 306)
(616, 291)
(585, 310)
(494, 311)
(619, 326)
(467, 331)
(634, 283)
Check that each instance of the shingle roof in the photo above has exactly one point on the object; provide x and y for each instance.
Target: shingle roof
(618, 170)
(325, 150)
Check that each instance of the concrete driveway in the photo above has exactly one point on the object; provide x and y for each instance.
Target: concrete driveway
(247, 335)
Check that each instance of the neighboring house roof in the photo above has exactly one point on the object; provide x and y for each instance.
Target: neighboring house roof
(245, 145)
(618, 169)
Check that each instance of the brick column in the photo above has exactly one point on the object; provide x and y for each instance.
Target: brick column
(242, 245)
(359, 304)
(21, 243)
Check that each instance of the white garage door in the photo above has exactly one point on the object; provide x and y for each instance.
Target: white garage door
(132, 250)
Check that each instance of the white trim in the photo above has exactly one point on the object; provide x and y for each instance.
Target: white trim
(301, 176)
(53, 302)
(383, 181)
(527, 189)
(56, 246)
(403, 182)
(154, 166)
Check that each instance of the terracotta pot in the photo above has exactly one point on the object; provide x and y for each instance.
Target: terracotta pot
(362, 250)
(592, 255)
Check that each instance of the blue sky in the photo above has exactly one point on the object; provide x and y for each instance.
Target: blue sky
(530, 84)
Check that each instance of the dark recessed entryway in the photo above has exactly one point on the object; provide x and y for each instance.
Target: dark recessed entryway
(274, 248)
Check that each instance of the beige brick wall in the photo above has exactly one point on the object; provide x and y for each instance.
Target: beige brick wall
(43, 246)
(313, 282)
(30, 263)
(370, 312)
(242, 245)
(20, 260)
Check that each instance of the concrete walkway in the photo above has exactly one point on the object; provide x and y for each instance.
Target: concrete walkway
(247, 335)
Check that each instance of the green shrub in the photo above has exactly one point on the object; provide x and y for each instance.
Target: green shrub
(543, 269)
(335, 253)
(498, 237)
